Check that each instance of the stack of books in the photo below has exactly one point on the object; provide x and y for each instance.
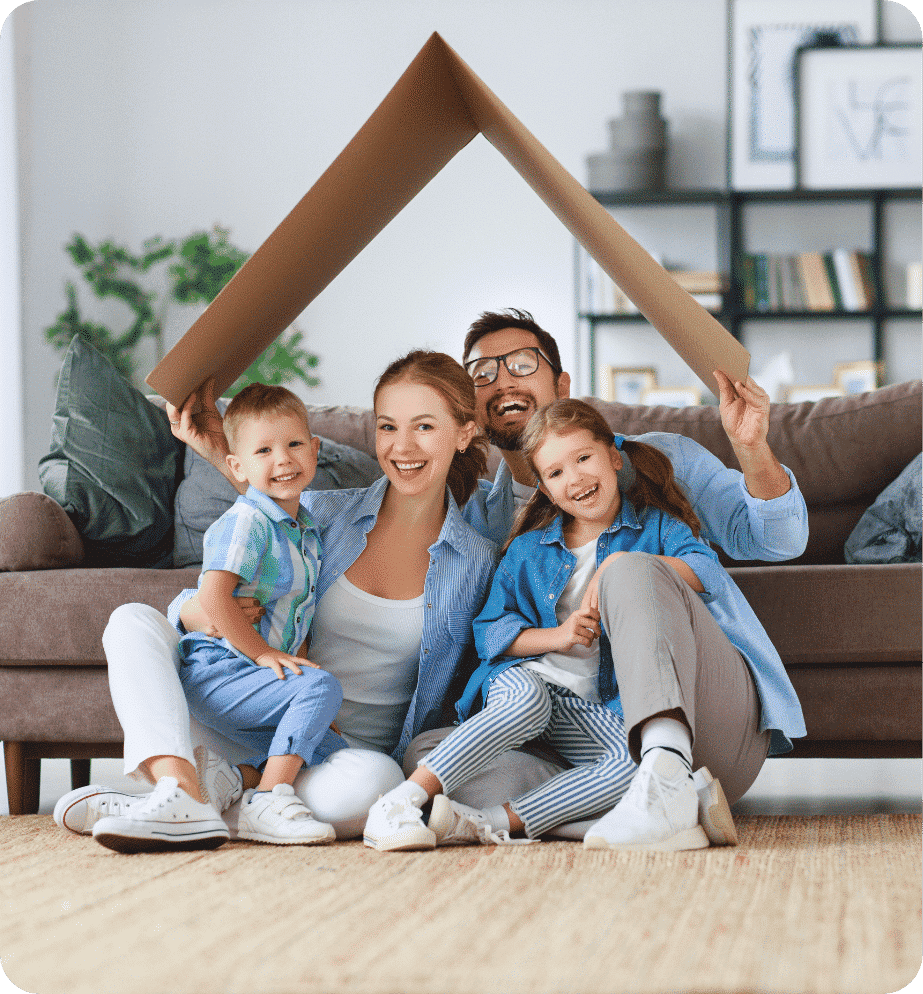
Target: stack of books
(840, 280)
(602, 296)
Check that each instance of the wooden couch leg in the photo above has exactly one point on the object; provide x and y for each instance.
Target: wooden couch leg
(23, 779)
(80, 773)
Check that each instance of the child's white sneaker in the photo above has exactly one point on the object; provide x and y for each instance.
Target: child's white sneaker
(714, 811)
(220, 783)
(660, 810)
(396, 824)
(281, 818)
(456, 824)
(165, 820)
(79, 810)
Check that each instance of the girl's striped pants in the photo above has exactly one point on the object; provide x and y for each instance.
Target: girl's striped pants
(521, 706)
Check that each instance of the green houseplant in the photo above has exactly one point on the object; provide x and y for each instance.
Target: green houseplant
(196, 269)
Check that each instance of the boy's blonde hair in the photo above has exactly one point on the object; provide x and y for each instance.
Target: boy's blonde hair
(257, 401)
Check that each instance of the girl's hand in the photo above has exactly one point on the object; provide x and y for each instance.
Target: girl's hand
(590, 599)
(278, 662)
(581, 628)
(194, 618)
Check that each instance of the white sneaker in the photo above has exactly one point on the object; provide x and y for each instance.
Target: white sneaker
(456, 824)
(396, 824)
(714, 811)
(660, 810)
(220, 783)
(165, 820)
(79, 810)
(281, 818)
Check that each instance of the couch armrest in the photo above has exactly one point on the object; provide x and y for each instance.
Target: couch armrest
(36, 533)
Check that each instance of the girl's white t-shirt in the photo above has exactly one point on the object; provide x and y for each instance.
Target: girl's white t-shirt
(578, 669)
(372, 646)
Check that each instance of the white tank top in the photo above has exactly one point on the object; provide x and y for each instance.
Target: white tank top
(577, 670)
(372, 646)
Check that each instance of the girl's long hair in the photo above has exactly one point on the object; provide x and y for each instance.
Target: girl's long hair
(654, 484)
(449, 379)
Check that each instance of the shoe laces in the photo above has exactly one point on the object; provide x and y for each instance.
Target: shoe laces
(647, 787)
(404, 812)
(111, 804)
(166, 790)
(470, 826)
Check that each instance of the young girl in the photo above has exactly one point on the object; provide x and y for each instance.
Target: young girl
(547, 668)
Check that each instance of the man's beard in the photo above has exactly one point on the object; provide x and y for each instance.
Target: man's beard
(506, 439)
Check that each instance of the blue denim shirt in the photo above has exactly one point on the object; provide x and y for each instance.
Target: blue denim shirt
(460, 568)
(744, 526)
(532, 576)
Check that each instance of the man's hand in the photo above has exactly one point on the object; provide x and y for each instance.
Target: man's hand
(745, 416)
(744, 411)
(198, 424)
(278, 662)
(581, 628)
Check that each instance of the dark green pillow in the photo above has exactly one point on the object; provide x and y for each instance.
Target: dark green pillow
(113, 466)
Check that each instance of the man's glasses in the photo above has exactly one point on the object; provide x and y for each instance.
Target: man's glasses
(521, 362)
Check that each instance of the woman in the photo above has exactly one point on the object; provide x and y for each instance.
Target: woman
(401, 577)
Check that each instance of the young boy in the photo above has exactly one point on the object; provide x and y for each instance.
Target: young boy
(265, 546)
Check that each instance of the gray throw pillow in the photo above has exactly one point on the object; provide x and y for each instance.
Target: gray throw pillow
(113, 464)
(205, 494)
(890, 531)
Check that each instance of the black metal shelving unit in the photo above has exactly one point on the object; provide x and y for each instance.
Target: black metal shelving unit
(730, 207)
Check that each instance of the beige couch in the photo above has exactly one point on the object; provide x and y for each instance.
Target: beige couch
(849, 635)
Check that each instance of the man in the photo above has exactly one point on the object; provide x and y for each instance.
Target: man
(758, 513)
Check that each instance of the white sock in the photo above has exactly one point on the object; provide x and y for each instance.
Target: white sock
(411, 790)
(667, 733)
(498, 818)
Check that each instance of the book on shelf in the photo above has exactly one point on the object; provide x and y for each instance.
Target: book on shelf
(840, 280)
(602, 295)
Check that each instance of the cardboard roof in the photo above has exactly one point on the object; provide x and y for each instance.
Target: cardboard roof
(435, 108)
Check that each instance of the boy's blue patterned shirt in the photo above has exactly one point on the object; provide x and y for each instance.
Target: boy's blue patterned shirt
(278, 560)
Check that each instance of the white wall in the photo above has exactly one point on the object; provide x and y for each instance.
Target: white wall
(12, 459)
(139, 118)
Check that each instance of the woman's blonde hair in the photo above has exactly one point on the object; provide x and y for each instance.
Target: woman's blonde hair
(654, 483)
(449, 379)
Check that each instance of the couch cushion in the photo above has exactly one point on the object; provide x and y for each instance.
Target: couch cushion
(36, 533)
(113, 464)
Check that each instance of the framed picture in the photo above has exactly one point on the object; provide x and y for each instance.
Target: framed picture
(673, 396)
(764, 38)
(627, 384)
(797, 393)
(859, 116)
(857, 377)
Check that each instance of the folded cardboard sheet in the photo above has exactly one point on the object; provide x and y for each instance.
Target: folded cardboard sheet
(436, 107)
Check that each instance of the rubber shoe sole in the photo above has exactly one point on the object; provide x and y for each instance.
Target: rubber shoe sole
(690, 838)
(405, 841)
(124, 836)
(715, 812)
(320, 840)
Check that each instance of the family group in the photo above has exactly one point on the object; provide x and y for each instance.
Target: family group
(442, 659)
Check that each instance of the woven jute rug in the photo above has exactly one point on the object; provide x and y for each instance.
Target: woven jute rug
(822, 904)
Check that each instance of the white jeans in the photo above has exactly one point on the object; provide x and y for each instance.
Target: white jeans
(141, 650)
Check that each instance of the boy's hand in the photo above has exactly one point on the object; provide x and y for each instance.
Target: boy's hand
(278, 662)
(581, 628)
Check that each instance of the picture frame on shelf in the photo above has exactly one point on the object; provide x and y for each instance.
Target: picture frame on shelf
(672, 396)
(798, 393)
(763, 38)
(627, 384)
(857, 377)
(859, 117)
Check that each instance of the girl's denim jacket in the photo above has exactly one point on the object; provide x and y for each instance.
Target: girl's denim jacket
(534, 572)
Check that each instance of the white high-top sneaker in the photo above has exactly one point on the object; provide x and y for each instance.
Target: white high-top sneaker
(660, 810)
